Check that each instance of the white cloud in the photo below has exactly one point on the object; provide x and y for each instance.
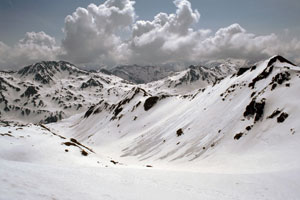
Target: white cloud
(93, 35)
(234, 42)
(172, 38)
(168, 38)
(90, 34)
(39, 39)
(32, 48)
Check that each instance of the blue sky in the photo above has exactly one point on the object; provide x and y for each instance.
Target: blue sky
(249, 30)
(20, 16)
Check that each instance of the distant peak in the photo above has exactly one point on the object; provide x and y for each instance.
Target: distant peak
(44, 71)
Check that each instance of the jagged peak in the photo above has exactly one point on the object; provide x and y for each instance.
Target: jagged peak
(44, 71)
(46, 66)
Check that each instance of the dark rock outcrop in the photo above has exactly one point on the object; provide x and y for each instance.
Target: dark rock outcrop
(91, 83)
(279, 79)
(238, 136)
(267, 71)
(255, 109)
(282, 117)
(179, 132)
(280, 59)
(242, 70)
(30, 91)
(150, 102)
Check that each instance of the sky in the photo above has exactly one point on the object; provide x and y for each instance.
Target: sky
(112, 32)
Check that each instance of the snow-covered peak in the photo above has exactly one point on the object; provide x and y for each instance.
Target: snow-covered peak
(195, 77)
(142, 74)
(47, 71)
(50, 91)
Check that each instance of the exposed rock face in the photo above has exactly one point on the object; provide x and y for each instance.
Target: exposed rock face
(150, 102)
(274, 114)
(255, 109)
(238, 136)
(242, 70)
(54, 117)
(91, 83)
(89, 112)
(30, 91)
(280, 59)
(179, 132)
(279, 79)
(282, 117)
(267, 71)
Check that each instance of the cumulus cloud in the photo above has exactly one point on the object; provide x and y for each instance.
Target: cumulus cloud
(235, 42)
(90, 34)
(168, 38)
(95, 35)
(39, 39)
(32, 48)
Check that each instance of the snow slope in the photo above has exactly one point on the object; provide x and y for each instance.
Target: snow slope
(31, 181)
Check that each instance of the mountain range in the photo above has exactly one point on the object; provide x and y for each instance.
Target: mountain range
(235, 125)
(50, 91)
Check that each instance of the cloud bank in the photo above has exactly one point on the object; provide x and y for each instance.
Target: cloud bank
(32, 48)
(111, 34)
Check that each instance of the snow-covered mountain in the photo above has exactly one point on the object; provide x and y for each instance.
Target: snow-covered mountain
(233, 135)
(141, 74)
(145, 74)
(50, 91)
(195, 77)
(239, 112)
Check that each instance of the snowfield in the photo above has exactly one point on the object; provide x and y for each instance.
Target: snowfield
(28, 181)
(234, 137)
